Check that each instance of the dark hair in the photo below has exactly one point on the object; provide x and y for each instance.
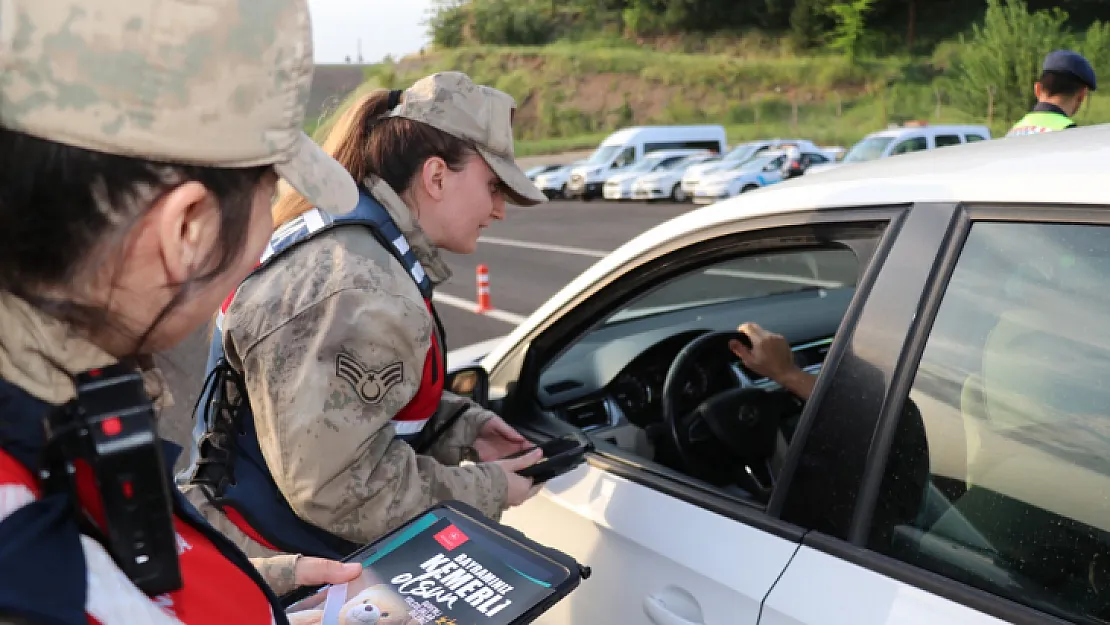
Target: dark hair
(1061, 83)
(62, 208)
(366, 142)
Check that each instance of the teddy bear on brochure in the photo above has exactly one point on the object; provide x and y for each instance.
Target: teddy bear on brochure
(376, 605)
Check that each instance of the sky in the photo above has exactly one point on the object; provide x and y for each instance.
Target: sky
(393, 27)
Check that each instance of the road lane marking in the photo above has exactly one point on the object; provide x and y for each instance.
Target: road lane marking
(458, 302)
(546, 247)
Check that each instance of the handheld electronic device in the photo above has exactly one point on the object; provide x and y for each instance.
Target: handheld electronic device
(449, 565)
(560, 455)
(110, 429)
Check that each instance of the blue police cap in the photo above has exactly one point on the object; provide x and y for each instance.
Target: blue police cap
(1072, 63)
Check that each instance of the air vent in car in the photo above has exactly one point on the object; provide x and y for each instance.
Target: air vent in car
(561, 387)
(588, 414)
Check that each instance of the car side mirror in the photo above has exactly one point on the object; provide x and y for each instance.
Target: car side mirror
(471, 382)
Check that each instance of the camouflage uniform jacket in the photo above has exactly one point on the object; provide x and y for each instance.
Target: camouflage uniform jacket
(330, 445)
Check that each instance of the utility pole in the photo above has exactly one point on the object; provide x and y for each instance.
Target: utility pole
(360, 51)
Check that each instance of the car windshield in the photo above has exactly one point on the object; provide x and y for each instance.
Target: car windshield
(682, 163)
(741, 152)
(867, 150)
(754, 164)
(650, 163)
(603, 155)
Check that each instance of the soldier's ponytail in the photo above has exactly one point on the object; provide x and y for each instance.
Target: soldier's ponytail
(365, 140)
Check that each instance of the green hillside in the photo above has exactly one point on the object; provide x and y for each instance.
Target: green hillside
(571, 93)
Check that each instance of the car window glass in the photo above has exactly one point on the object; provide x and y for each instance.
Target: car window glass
(626, 158)
(608, 381)
(868, 149)
(749, 278)
(910, 145)
(999, 472)
(972, 138)
(943, 141)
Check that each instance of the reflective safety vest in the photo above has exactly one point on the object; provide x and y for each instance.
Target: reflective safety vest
(1040, 121)
(229, 465)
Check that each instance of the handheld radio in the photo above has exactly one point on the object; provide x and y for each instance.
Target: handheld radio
(109, 430)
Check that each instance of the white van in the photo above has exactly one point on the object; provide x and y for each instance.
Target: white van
(626, 147)
(906, 139)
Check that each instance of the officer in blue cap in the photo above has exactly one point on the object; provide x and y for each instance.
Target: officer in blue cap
(1065, 80)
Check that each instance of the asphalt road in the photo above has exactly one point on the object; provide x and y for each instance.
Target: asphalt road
(531, 255)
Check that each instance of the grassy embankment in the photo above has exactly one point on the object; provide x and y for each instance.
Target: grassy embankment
(570, 96)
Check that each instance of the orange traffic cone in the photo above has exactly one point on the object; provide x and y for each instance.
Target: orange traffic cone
(483, 290)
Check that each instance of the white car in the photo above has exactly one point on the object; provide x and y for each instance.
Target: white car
(906, 140)
(554, 183)
(763, 170)
(665, 183)
(951, 463)
(532, 172)
(618, 185)
(740, 154)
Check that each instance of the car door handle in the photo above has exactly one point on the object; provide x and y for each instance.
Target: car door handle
(673, 606)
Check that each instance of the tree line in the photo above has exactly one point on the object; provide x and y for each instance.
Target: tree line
(880, 26)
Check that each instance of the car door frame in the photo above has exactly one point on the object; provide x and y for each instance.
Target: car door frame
(581, 312)
(890, 318)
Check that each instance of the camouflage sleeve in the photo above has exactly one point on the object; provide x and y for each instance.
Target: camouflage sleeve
(279, 572)
(450, 446)
(324, 387)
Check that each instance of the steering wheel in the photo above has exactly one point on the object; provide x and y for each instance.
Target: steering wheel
(730, 436)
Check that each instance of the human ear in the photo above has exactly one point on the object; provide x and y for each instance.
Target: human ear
(433, 175)
(187, 218)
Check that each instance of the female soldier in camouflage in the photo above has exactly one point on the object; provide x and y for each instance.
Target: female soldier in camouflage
(338, 346)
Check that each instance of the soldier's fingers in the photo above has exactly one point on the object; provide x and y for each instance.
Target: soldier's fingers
(315, 571)
(515, 464)
(506, 431)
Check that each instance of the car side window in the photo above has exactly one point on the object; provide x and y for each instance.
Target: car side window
(972, 138)
(609, 381)
(915, 144)
(626, 158)
(1000, 468)
(943, 141)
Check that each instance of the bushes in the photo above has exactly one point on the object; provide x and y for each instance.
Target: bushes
(507, 22)
(1002, 58)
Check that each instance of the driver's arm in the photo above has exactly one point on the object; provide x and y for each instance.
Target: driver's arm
(771, 356)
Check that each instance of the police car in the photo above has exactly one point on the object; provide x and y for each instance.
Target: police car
(953, 463)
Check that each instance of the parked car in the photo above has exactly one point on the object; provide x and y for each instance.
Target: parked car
(554, 183)
(768, 168)
(740, 154)
(905, 140)
(666, 183)
(952, 462)
(618, 186)
(541, 169)
(625, 147)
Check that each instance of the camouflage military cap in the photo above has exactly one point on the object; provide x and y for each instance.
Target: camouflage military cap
(218, 83)
(451, 102)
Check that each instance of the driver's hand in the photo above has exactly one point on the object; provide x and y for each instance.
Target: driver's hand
(770, 355)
